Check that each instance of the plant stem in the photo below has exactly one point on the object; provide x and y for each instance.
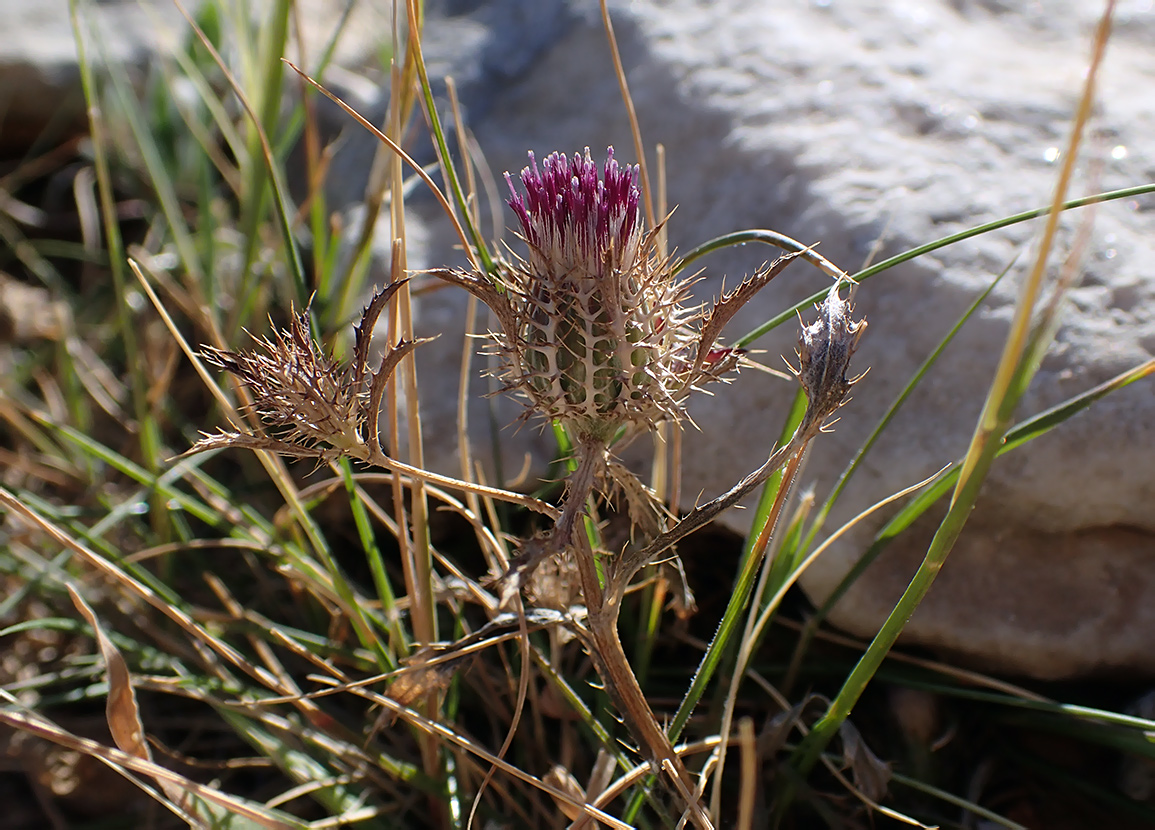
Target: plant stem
(630, 701)
(605, 646)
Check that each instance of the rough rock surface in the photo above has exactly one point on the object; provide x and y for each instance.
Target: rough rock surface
(848, 123)
(40, 95)
(41, 99)
(845, 123)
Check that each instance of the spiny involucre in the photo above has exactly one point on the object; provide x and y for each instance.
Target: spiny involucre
(302, 393)
(595, 327)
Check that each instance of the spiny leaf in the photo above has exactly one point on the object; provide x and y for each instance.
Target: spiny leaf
(730, 303)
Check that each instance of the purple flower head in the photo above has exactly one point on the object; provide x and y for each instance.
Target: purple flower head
(594, 326)
(572, 217)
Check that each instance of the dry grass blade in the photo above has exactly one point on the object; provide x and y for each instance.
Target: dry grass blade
(631, 112)
(749, 776)
(445, 733)
(119, 577)
(384, 139)
(640, 772)
(120, 760)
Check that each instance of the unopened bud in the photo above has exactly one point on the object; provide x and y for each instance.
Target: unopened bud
(825, 349)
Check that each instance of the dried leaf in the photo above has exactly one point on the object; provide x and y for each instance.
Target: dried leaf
(647, 513)
(529, 556)
(257, 814)
(870, 773)
(29, 313)
(777, 730)
(363, 331)
(422, 677)
(121, 709)
(563, 779)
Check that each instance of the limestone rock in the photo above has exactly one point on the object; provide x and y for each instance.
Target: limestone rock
(872, 128)
(41, 99)
(40, 95)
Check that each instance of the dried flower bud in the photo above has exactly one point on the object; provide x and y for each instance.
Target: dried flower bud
(315, 406)
(824, 351)
(297, 389)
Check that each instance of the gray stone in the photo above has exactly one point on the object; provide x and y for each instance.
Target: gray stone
(849, 123)
(845, 123)
(41, 98)
(40, 95)
(483, 46)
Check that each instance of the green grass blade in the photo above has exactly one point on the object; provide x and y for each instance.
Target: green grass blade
(262, 168)
(301, 766)
(1028, 430)
(149, 431)
(957, 801)
(399, 644)
(824, 511)
(874, 270)
(743, 586)
(448, 168)
(162, 484)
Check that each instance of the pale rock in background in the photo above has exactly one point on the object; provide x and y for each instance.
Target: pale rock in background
(843, 123)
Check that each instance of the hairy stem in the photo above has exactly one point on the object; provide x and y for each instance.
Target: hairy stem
(622, 686)
(605, 647)
(579, 485)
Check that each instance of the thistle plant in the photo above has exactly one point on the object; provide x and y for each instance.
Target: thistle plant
(315, 406)
(597, 333)
(595, 330)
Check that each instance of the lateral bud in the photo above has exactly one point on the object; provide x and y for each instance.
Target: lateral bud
(824, 351)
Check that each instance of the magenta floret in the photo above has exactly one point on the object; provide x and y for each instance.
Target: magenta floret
(567, 203)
